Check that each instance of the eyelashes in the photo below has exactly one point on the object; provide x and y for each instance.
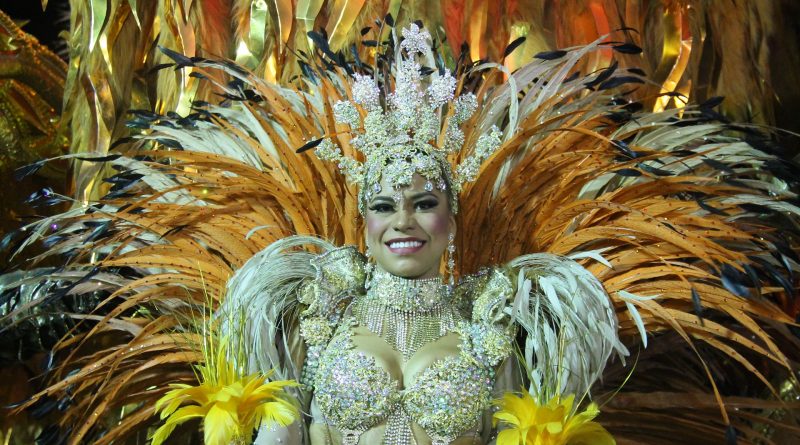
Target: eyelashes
(381, 208)
(425, 204)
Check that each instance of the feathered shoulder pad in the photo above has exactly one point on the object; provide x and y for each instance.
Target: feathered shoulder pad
(340, 274)
(276, 283)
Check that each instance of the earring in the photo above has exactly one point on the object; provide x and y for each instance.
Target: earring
(368, 268)
(451, 257)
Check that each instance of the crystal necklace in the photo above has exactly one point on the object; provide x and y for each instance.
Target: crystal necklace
(407, 313)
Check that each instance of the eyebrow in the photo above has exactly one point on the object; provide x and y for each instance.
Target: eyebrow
(382, 198)
(422, 195)
(413, 197)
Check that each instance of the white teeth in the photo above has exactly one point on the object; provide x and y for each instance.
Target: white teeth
(405, 244)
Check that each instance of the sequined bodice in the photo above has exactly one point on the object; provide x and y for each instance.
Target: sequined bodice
(355, 393)
(446, 397)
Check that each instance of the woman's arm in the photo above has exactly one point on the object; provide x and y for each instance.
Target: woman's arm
(288, 435)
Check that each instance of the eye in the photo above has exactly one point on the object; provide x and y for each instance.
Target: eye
(382, 208)
(427, 204)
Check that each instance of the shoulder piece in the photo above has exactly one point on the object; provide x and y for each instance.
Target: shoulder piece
(569, 324)
(491, 297)
(266, 289)
(339, 275)
(489, 335)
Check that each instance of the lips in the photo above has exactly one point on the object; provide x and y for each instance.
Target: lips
(405, 246)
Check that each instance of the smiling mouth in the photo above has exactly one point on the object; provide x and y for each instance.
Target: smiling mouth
(405, 247)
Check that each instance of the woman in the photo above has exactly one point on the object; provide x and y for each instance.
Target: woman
(391, 354)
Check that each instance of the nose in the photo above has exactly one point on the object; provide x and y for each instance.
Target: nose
(404, 220)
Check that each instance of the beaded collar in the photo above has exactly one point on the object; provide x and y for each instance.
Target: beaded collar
(405, 294)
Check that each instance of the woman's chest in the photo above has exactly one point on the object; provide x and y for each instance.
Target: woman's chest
(403, 370)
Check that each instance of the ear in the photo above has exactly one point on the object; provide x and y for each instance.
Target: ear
(451, 226)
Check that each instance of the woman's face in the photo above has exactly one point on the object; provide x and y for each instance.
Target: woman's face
(407, 239)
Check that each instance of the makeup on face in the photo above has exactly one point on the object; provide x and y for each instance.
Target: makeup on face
(407, 237)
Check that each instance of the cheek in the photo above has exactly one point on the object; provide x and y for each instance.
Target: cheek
(375, 226)
(439, 224)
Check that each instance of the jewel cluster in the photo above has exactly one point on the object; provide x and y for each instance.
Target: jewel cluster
(401, 134)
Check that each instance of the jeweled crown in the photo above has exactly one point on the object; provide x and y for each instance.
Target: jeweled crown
(411, 130)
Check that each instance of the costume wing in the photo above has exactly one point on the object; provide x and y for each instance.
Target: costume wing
(157, 251)
(686, 220)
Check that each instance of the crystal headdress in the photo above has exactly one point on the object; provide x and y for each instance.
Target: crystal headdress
(411, 130)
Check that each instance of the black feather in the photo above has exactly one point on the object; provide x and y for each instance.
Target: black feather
(733, 280)
(603, 76)
(654, 170)
(98, 232)
(309, 145)
(627, 48)
(628, 172)
(682, 152)
(160, 67)
(550, 55)
(513, 45)
(713, 163)
(776, 276)
(753, 275)
(709, 208)
(712, 102)
(623, 147)
(180, 59)
(618, 81)
(171, 143)
(698, 306)
(120, 141)
(730, 435)
(107, 158)
(173, 231)
(572, 77)
(27, 170)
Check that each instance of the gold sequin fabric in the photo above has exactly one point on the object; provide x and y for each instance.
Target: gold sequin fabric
(447, 398)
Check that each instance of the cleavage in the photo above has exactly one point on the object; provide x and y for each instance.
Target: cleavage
(391, 361)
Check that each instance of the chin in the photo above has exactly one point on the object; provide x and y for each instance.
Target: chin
(414, 270)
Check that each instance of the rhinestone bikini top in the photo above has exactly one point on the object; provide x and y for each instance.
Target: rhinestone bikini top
(355, 393)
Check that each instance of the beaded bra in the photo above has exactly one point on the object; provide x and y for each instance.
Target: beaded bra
(355, 393)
